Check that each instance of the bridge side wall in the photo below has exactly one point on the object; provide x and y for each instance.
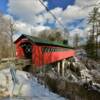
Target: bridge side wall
(40, 58)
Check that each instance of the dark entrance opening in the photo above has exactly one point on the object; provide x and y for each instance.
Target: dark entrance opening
(27, 47)
(27, 68)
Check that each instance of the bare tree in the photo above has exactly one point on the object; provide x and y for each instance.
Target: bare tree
(6, 37)
(52, 35)
(76, 40)
(11, 34)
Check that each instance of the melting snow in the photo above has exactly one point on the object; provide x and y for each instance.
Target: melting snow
(23, 85)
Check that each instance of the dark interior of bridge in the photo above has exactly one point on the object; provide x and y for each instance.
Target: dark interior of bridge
(27, 48)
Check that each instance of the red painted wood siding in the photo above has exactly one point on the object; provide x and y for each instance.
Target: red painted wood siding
(57, 56)
(19, 50)
(37, 55)
(39, 58)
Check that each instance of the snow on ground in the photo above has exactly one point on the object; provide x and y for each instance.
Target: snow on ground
(23, 85)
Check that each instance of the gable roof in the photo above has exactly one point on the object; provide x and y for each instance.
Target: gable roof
(42, 41)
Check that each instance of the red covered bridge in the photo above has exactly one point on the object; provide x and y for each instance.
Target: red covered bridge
(41, 51)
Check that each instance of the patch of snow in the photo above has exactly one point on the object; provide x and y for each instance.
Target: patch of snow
(85, 75)
(26, 87)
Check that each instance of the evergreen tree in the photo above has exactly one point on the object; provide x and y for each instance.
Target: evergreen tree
(92, 42)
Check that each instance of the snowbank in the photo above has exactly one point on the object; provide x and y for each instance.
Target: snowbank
(24, 85)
